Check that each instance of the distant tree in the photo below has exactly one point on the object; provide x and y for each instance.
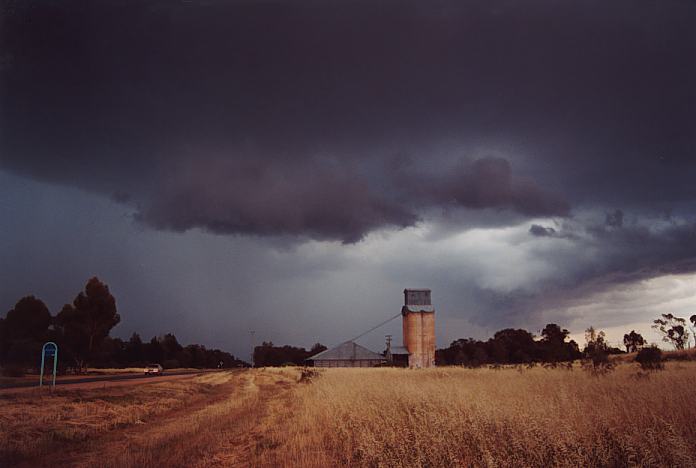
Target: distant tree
(317, 348)
(269, 355)
(28, 320)
(134, 350)
(596, 352)
(23, 331)
(650, 358)
(4, 341)
(480, 357)
(553, 345)
(554, 334)
(88, 320)
(196, 355)
(463, 352)
(111, 352)
(633, 341)
(170, 347)
(154, 353)
(673, 330)
(513, 346)
(595, 339)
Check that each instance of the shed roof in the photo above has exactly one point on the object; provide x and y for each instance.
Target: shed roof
(399, 350)
(349, 350)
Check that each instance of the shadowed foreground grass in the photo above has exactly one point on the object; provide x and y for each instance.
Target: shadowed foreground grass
(368, 417)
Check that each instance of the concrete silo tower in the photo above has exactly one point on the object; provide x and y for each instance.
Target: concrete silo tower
(418, 316)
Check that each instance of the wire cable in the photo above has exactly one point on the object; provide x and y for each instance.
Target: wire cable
(374, 328)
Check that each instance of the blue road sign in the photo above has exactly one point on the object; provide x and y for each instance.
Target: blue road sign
(49, 349)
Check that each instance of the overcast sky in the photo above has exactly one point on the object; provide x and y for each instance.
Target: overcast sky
(291, 166)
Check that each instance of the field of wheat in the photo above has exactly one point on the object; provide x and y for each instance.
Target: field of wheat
(365, 417)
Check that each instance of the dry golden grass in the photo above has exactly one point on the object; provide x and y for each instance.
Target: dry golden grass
(224, 433)
(455, 417)
(368, 417)
(34, 423)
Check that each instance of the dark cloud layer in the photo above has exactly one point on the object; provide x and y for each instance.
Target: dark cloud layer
(272, 199)
(279, 118)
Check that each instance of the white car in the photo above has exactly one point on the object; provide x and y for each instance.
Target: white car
(154, 369)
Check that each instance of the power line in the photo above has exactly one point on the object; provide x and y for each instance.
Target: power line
(375, 327)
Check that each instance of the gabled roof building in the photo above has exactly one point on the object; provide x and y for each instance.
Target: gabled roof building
(348, 354)
(418, 350)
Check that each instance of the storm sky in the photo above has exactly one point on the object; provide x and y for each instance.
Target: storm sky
(291, 166)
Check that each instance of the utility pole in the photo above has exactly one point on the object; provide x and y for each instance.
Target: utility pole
(388, 353)
(251, 332)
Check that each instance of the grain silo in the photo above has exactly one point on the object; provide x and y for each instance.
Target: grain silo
(418, 315)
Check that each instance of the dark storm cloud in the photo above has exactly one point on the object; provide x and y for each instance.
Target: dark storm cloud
(542, 231)
(279, 118)
(329, 201)
(272, 199)
(485, 183)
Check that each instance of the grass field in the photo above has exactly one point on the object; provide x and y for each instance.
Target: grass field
(365, 417)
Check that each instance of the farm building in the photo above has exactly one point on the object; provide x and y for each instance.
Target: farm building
(348, 354)
(418, 350)
(396, 356)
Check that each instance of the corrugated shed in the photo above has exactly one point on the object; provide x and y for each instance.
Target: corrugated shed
(348, 351)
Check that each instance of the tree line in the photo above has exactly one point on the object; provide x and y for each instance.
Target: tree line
(81, 330)
(268, 355)
(518, 346)
(511, 346)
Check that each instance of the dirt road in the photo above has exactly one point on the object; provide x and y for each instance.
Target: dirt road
(104, 381)
(224, 423)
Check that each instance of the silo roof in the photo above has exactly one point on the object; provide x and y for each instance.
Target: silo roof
(348, 351)
(417, 308)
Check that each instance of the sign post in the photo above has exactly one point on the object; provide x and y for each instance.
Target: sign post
(49, 349)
